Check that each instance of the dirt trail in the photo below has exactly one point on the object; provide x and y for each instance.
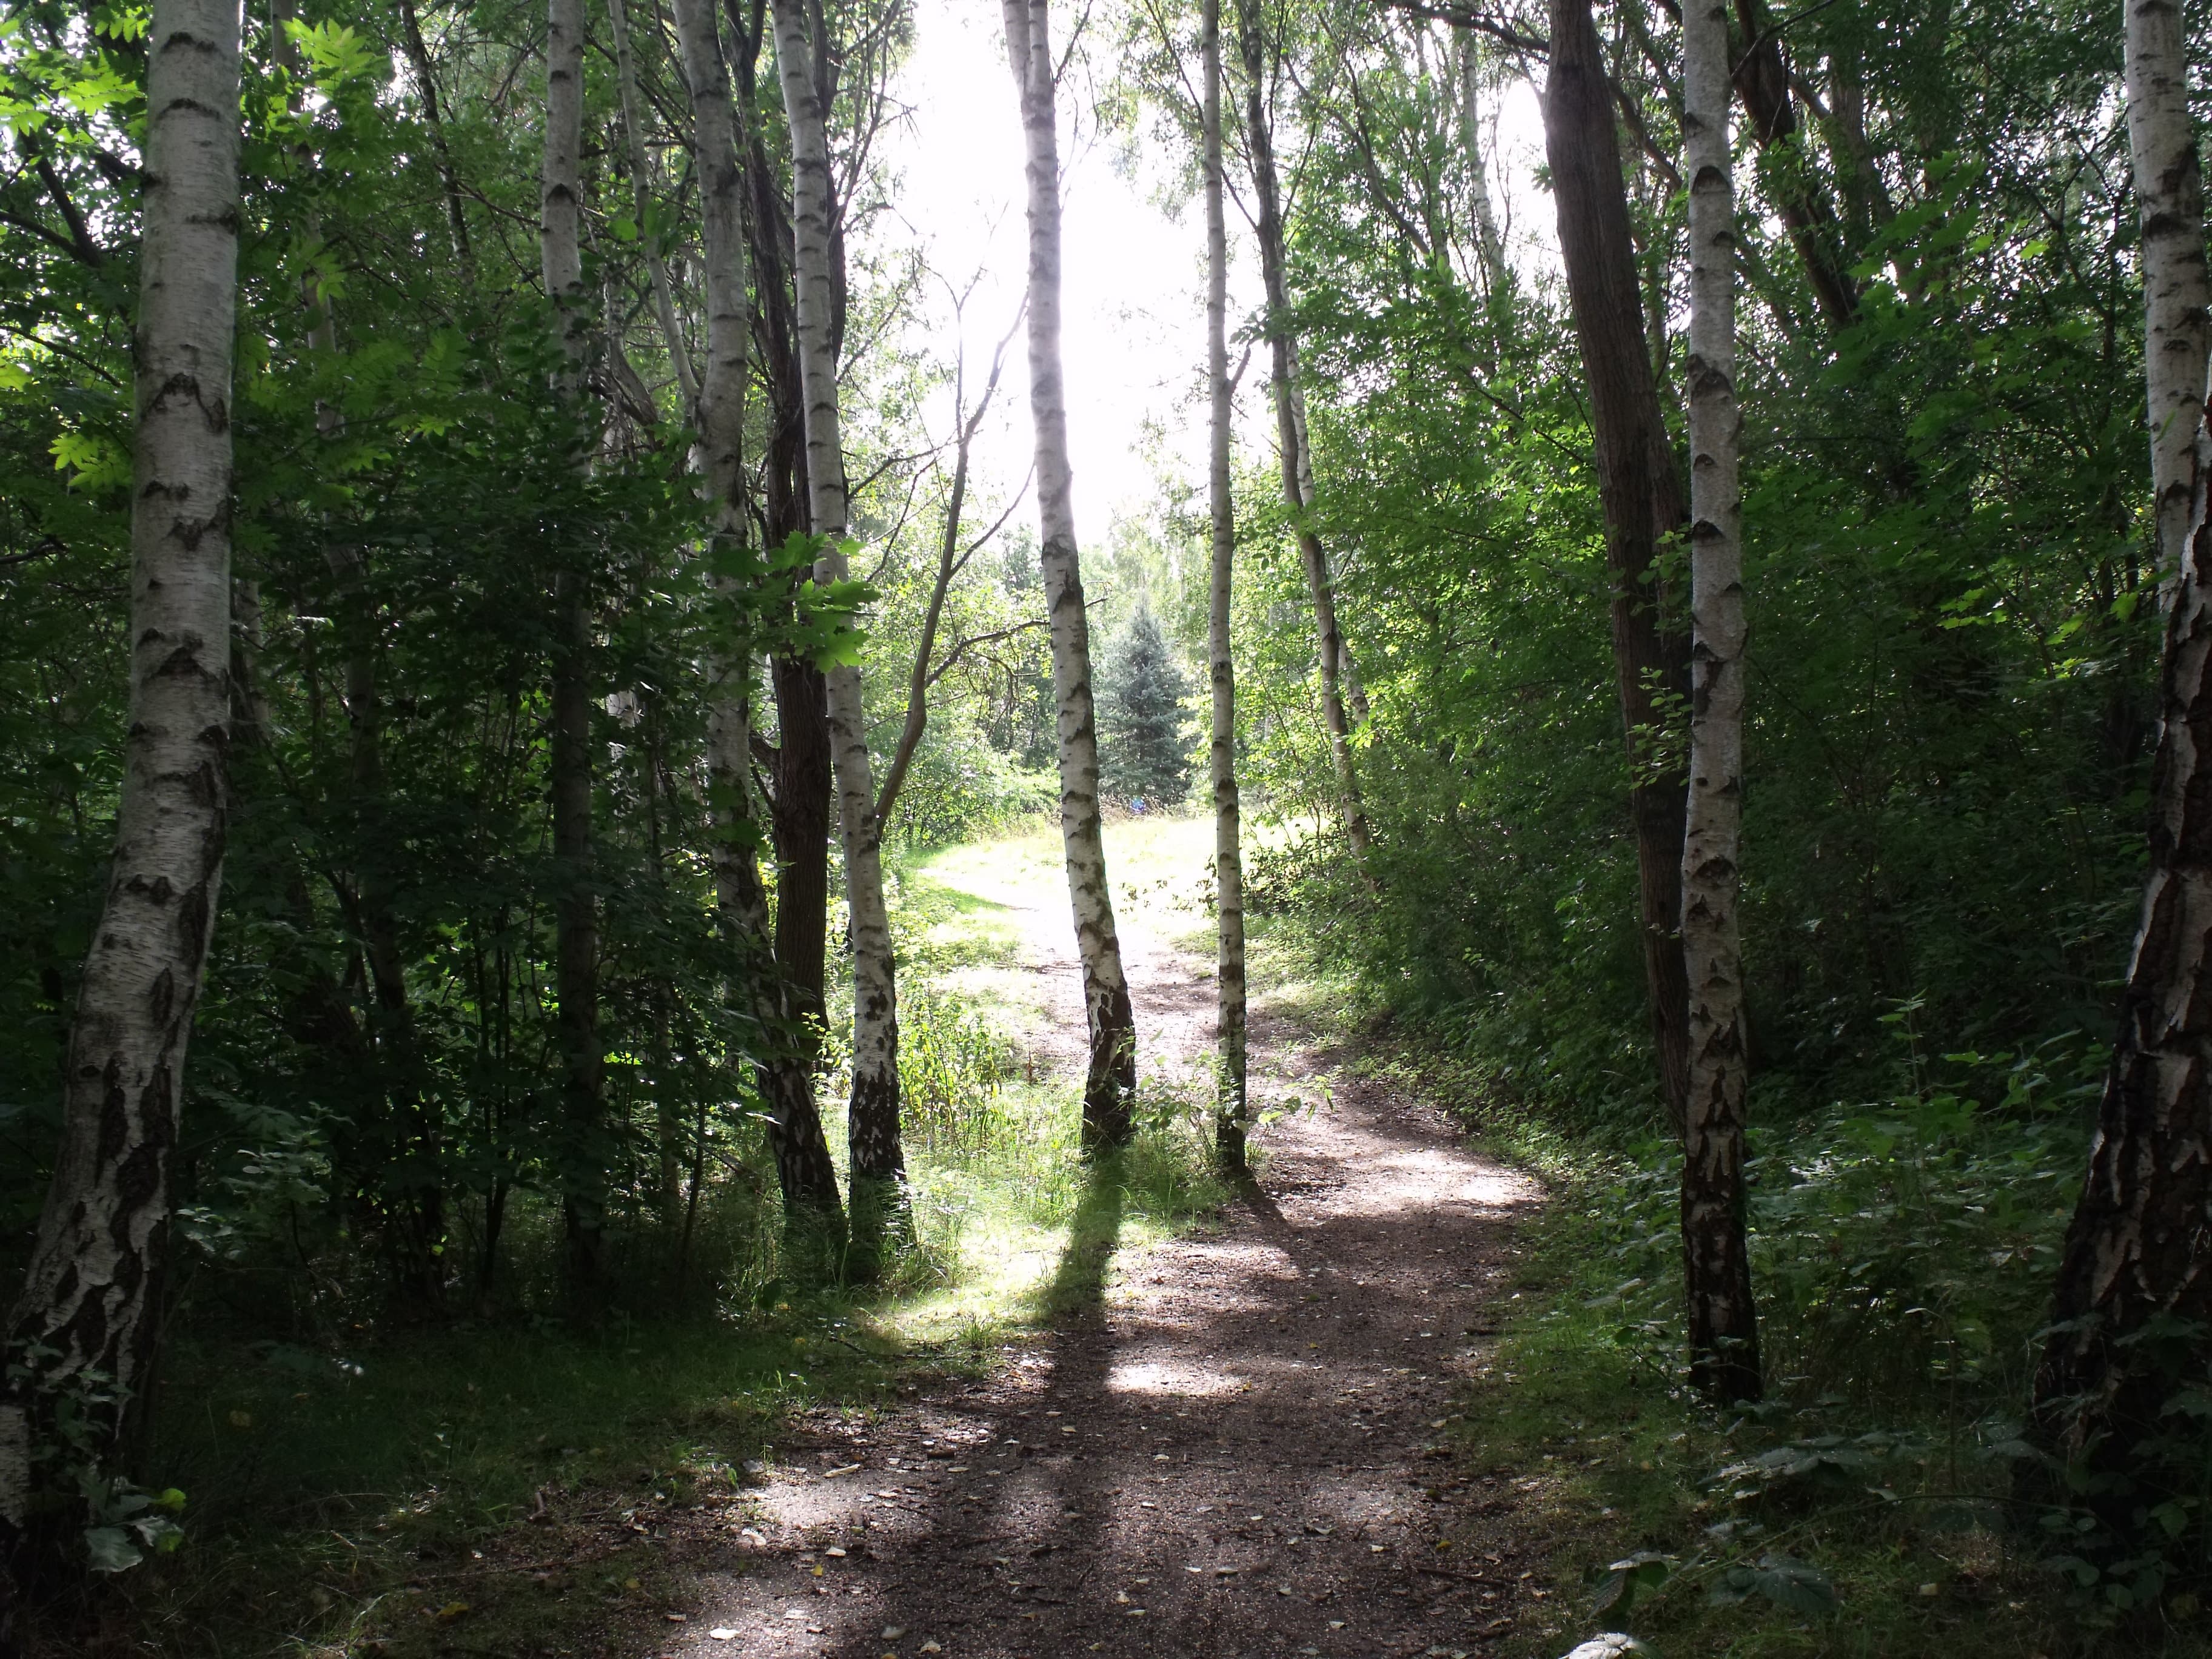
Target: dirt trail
(1236, 1451)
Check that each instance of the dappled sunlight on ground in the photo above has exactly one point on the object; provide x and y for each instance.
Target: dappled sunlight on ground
(1222, 1445)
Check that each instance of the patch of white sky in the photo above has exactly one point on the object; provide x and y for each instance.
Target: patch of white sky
(1132, 266)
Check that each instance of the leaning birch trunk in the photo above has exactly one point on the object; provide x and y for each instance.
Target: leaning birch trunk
(2170, 213)
(1230, 1116)
(80, 1336)
(2137, 1256)
(1290, 426)
(803, 1169)
(1488, 243)
(1110, 1087)
(1717, 1264)
(581, 1165)
(878, 1172)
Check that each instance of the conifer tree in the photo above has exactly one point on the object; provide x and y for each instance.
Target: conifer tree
(1144, 728)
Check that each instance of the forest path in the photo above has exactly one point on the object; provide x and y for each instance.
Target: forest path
(1230, 1450)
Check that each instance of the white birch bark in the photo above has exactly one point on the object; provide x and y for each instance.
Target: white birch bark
(878, 1162)
(576, 917)
(1110, 1087)
(2136, 1255)
(560, 215)
(2170, 212)
(1488, 243)
(1231, 1119)
(1723, 1345)
(84, 1324)
(804, 1170)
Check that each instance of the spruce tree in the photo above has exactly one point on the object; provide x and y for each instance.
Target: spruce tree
(1144, 729)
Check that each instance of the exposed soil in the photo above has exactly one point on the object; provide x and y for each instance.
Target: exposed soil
(1235, 1446)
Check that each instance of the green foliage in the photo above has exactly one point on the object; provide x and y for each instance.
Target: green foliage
(1944, 556)
(952, 1063)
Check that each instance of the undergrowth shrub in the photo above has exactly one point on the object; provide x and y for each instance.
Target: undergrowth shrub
(1902, 1248)
(952, 1063)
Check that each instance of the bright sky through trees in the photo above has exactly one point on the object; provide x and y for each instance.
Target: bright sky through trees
(1135, 272)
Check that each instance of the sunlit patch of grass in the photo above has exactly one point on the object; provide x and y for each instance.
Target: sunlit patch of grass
(1003, 1218)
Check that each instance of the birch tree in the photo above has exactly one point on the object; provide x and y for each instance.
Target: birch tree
(878, 1163)
(576, 923)
(1231, 1113)
(1641, 497)
(1297, 466)
(2137, 1256)
(1716, 1265)
(81, 1337)
(1110, 1084)
(804, 1174)
(2162, 147)
(1488, 243)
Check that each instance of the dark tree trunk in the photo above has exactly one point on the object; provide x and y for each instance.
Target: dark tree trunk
(801, 809)
(801, 768)
(1296, 468)
(1762, 82)
(1642, 496)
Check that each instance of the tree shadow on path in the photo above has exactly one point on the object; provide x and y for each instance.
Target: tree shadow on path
(1226, 1445)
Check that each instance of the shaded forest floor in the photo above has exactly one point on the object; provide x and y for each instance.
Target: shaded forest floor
(1375, 1406)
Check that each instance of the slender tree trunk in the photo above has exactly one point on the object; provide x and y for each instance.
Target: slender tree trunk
(583, 1164)
(664, 296)
(80, 1336)
(1109, 1089)
(951, 561)
(1231, 1117)
(1762, 81)
(418, 59)
(1642, 500)
(1717, 1264)
(804, 1170)
(1487, 241)
(878, 1163)
(799, 807)
(1291, 426)
(2138, 1255)
(2162, 143)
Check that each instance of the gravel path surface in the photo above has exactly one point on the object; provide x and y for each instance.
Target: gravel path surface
(1235, 1450)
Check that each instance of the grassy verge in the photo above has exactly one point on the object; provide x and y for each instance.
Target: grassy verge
(520, 1486)
(1902, 1249)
